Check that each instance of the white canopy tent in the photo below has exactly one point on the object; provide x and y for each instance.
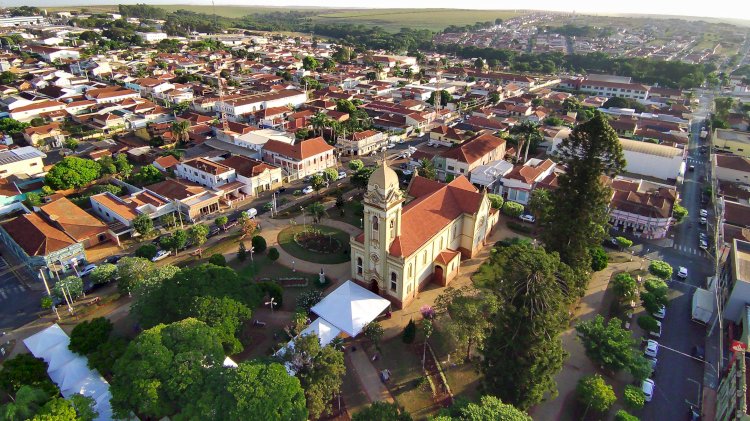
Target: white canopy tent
(350, 307)
(68, 370)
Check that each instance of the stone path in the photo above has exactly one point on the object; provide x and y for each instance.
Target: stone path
(368, 376)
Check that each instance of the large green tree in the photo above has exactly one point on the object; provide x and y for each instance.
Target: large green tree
(164, 369)
(224, 314)
(87, 336)
(594, 392)
(608, 344)
(490, 408)
(591, 151)
(132, 270)
(319, 369)
(381, 411)
(523, 351)
(468, 315)
(72, 172)
(28, 400)
(25, 370)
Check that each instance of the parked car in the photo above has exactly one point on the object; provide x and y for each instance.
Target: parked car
(307, 190)
(87, 270)
(703, 220)
(662, 313)
(703, 213)
(653, 362)
(648, 389)
(281, 189)
(703, 244)
(691, 168)
(693, 414)
(342, 175)
(527, 218)
(251, 213)
(213, 231)
(407, 172)
(652, 348)
(656, 333)
(113, 259)
(391, 146)
(682, 272)
(161, 254)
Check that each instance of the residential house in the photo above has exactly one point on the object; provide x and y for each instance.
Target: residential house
(361, 143)
(731, 168)
(462, 159)
(45, 136)
(23, 161)
(74, 221)
(518, 184)
(300, 159)
(243, 107)
(204, 172)
(193, 201)
(257, 176)
(28, 112)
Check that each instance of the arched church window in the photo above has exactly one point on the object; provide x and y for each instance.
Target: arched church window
(394, 278)
(374, 223)
(359, 265)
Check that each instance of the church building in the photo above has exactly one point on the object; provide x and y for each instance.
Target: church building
(412, 239)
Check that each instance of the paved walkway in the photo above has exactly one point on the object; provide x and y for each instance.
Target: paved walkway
(368, 376)
(578, 364)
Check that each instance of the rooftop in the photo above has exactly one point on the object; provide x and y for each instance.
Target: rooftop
(20, 154)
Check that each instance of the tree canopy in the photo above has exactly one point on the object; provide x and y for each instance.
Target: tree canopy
(591, 151)
(72, 172)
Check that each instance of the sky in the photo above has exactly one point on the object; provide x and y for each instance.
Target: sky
(735, 9)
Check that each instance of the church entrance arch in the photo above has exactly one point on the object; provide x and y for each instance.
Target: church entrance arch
(374, 286)
(437, 275)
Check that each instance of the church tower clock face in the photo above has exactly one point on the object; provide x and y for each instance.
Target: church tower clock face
(374, 257)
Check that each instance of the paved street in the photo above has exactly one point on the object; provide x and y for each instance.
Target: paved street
(18, 304)
(679, 378)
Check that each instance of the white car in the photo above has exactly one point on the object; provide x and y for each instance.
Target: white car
(703, 220)
(682, 272)
(652, 348)
(648, 389)
(408, 172)
(87, 270)
(391, 146)
(161, 254)
(527, 218)
(342, 174)
(307, 190)
(662, 313)
(656, 333)
(704, 213)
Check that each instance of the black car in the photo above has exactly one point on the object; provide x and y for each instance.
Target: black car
(113, 259)
(281, 189)
(213, 231)
(693, 414)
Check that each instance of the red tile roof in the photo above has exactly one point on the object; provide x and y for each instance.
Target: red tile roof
(435, 205)
(72, 219)
(36, 236)
(300, 150)
(247, 167)
(475, 149)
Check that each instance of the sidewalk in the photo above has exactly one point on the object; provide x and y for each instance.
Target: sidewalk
(367, 375)
(578, 364)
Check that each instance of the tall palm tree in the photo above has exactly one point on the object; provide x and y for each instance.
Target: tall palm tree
(526, 133)
(317, 210)
(319, 121)
(181, 131)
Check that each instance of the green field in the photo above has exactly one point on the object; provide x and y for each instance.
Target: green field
(395, 19)
(389, 19)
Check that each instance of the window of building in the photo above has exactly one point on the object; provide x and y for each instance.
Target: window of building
(441, 243)
(394, 284)
(374, 223)
(451, 168)
(455, 230)
(359, 265)
(408, 289)
(424, 257)
(410, 271)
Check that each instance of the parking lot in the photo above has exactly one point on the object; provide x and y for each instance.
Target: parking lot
(18, 304)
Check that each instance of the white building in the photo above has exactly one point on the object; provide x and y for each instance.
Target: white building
(206, 173)
(21, 161)
(488, 176)
(255, 139)
(652, 160)
(238, 108)
(152, 37)
(517, 185)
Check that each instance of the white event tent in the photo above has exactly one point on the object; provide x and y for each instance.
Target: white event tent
(69, 370)
(350, 307)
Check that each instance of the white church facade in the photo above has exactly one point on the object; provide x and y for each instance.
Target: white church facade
(412, 239)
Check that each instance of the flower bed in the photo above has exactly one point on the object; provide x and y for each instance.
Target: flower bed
(293, 282)
(316, 241)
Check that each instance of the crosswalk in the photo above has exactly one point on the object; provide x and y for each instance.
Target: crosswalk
(7, 291)
(694, 161)
(691, 250)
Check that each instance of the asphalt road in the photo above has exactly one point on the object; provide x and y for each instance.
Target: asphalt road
(679, 378)
(18, 304)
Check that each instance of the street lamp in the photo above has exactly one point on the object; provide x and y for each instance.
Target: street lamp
(293, 269)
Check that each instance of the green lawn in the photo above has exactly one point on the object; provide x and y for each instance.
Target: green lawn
(406, 384)
(352, 213)
(286, 241)
(395, 19)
